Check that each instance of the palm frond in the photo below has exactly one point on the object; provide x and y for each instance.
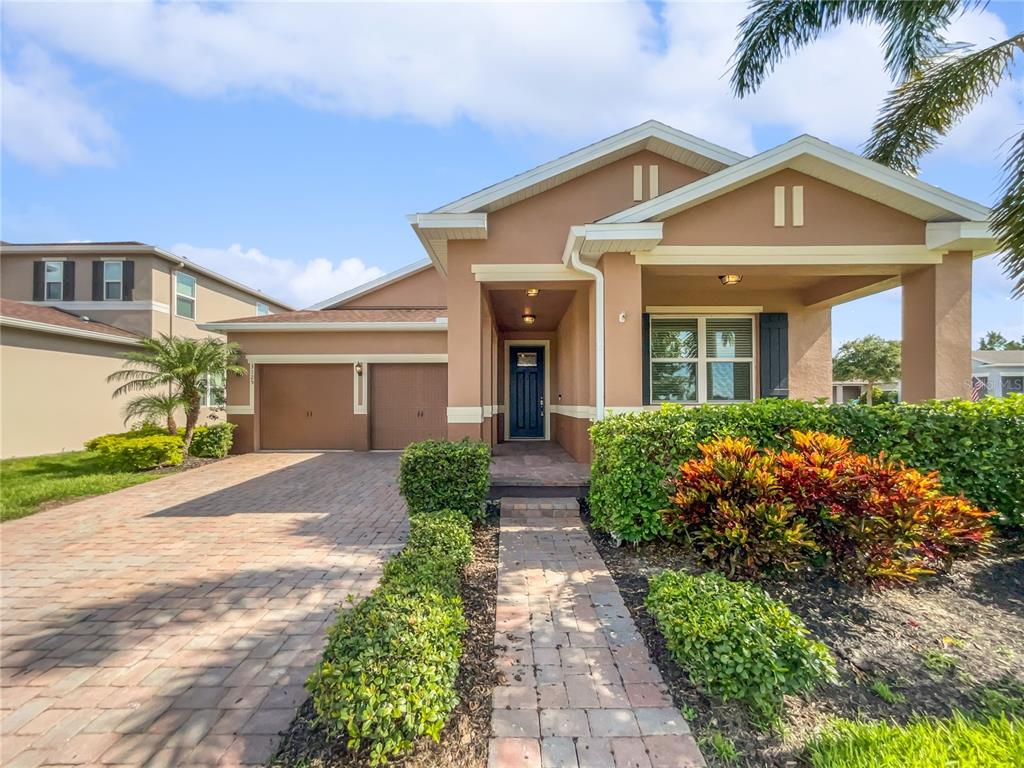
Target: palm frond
(773, 29)
(1008, 216)
(923, 109)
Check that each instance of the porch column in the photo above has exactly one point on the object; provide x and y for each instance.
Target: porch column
(465, 412)
(623, 341)
(936, 357)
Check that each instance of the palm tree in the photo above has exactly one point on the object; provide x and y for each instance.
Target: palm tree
(184, 365)
(938, 84)
(164, 407)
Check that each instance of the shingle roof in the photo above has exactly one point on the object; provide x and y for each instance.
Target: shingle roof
(999, 356)
(57, 317)
(361, 315)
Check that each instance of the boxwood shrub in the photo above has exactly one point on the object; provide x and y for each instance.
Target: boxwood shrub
(438, 474)
(126, 453)
(735, 641)
(212, 441)
(977, 448)
(388, 673)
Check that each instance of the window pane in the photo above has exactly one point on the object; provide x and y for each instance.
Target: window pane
(54, 271)
(730, 338)
(262, 309)
(54, 291)
(729, 381)
(1013, 384)
(113, 290)
(673, 337)
(112, 271)
(186, 307)
(526, 359)
(674, 382)
(186, 285)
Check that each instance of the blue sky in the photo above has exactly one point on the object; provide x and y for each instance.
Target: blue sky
(284, 144)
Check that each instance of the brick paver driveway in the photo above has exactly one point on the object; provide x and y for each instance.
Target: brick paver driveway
(174, 623)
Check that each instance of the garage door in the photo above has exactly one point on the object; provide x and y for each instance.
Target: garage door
(408, 402)
(306, 407)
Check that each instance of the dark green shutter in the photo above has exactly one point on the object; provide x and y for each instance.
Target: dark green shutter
(38, 280)
(774, 349)
(127, 280)
(97, 281)
(646, 346)
(69, 281)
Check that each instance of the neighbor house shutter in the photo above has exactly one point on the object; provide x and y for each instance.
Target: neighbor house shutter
(774, 348)
(97, 281)
(127, 279)
(69, 281)
(38, 278)
(645, 324)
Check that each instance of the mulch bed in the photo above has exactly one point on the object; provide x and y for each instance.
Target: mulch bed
(951, 641)
(463, 741)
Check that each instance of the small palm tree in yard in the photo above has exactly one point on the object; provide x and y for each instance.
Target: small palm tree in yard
(181, 364)
(164, 407)
(937, 84)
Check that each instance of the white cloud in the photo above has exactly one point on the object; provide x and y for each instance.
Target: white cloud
(299, 283)
(568, 70)
(46, 121)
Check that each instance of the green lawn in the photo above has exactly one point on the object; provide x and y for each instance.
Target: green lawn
(27, 484)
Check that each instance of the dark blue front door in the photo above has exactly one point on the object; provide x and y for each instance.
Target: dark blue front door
(526, 392)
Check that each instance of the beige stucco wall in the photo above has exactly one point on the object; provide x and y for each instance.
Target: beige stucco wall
(53, 392)
(424, 289)
(572, 362)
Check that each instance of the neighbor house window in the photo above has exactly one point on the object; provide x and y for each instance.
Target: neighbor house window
(262, 309)
(213, 394)
(702, 359)
(54, 280)
(1013, 385)
(185, 296)
(113, 280)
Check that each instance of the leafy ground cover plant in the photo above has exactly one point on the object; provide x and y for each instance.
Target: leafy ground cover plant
(438, 474)
(735, 641)
(388, 674)
(923, 743)
(128, 453)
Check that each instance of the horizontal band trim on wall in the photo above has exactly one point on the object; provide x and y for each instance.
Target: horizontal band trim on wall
(438, 326)
(412, 357)
(240, 410)
(692, 310)
(465, 414)
(575, 411)
(799, 255)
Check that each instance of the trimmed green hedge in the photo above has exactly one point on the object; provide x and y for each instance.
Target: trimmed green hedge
(388, 673)
(735, 641)
(437, 474)
(978, 449)
(126, 453)
(213, 441)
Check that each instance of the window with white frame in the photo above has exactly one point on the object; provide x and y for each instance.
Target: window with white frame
(113, 280)
(696, 359)
(185, 295)
(262, 309)
(54, 280)
(213, 394)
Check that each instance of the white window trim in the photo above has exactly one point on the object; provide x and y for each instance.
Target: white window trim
(120, 283)
(194, 299)
(47, 282)
(207, 398)
(265, 306)
(702, 359)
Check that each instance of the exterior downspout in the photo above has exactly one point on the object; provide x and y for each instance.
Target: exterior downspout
(577, 235)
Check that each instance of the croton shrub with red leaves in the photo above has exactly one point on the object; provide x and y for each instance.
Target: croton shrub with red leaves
(748, 510)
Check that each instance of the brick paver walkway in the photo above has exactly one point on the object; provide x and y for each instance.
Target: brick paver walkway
(175, 622)
(579, 688)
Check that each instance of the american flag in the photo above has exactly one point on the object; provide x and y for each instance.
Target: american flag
(978, 389)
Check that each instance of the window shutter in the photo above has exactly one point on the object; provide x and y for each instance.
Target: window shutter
(645, 323)
(38, 278)
(97, 281)
(127, 280)
(69, 280)
(774, 347)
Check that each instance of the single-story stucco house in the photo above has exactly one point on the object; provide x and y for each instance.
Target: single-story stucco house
(998, 372)
(649, 267)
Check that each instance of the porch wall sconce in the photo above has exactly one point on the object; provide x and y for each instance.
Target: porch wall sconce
(529, 319)
(359, 369)
(533, 292)
(730, 279)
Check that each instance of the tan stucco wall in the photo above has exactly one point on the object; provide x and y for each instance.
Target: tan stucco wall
(424, 289)
(832, 216)
(572, 361)
(623, 341)
(53, 392)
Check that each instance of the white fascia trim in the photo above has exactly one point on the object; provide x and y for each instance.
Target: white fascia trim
(465, 414)
(785, 255)
(437, 326)
(759, 165)
(652, 129)
(475, 222)
(33, 325)
(575, 411)
(95, 306)
(382, 358)
(976, 236)
(372, 285)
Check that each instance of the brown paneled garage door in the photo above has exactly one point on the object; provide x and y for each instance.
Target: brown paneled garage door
(408, 402)
(306, 407)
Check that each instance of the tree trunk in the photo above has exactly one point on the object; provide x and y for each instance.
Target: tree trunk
(871, 392)
(191, 417)
(172, 425)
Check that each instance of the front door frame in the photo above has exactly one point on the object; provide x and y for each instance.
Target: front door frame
(546, 344)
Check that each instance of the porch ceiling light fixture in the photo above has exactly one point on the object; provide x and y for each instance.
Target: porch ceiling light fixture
(730, 279)
(533, 292)
(529, 318)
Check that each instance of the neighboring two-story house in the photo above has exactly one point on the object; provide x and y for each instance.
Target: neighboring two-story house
(68, 313)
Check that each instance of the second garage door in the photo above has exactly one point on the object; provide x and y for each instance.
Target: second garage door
(408, 402)
(307, 407)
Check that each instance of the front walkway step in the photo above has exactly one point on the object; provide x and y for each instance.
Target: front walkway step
(577, 688)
